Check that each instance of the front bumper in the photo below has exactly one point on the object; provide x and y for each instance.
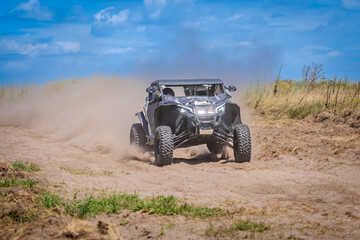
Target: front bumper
(195, 129)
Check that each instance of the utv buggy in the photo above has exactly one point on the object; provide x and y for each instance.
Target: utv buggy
(184, 113)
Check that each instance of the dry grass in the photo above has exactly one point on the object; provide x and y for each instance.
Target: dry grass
(298, 99)
(16, 89)
(86, 171)
(277, 99)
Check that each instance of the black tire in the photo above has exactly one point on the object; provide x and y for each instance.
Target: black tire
(164, 146)
(214, 147)
(137, 136)
(242, 143)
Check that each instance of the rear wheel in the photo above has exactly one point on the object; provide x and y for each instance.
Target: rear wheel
(242, 143)
(164, 146)
(137, 136)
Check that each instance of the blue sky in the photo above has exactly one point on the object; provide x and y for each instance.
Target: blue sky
(43, 40)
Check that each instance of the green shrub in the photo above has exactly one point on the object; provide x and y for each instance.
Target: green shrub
(49, 200)
(247, 225)
(28, 167)
(116, 203)
(15, 182)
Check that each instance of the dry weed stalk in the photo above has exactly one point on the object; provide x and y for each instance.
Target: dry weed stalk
(312, 95)
(311, 77)
(277, 79)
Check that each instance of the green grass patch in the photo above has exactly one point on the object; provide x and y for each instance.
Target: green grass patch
(124, 222)
(15, 182)
(86, 171)
(303, 110)
(292, 237)
(25, 166)
(116, 203)
(49, 200)
(170, 225)
(247, 225)
(21, 216)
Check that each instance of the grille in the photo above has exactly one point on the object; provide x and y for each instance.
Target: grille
(206, 118)
(206, 125)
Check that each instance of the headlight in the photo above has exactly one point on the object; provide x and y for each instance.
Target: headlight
(220, 108)
(184, 109)
(204, 111)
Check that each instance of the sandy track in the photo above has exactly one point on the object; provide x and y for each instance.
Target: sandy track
(307, 175)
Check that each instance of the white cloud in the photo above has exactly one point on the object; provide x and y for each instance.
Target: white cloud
(141, 28)
(154, 7)
(193, 25)
(120, 18)
(351, 3)
(32, 49)
(299, 21)
(207, 20)
(14, 47)
(69, 47)
(11, 46)
(15, 66)
(33, 9)
(244, 43)
(116, 50)
(334, 53)
(317, 48)
(234, 17)
(107, 16)
(104, 14)
(184, 1)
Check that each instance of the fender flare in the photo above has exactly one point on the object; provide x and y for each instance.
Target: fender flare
(143, 122)
(236, 112)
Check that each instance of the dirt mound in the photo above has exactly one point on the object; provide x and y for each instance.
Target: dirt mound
(7, 171)
(303, 181)
(65, 227)
(60, 226)
(20, 205)
(350, 118)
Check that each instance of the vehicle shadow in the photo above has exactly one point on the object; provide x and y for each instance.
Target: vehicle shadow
(199, 159)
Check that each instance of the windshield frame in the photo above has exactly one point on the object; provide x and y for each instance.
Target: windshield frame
(192, 89)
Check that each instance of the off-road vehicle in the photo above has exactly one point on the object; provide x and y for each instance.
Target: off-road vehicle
(182, 113)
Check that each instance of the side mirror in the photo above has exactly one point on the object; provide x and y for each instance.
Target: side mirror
(231, 88)
(150, 89)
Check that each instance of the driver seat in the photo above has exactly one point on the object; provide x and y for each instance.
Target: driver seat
(169, 91)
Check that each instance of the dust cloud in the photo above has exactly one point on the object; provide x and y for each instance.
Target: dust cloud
(95, 113)
(190, 53)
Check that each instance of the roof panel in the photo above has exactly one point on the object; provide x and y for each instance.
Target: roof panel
(182, 82)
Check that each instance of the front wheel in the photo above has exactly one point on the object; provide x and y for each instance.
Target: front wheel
(164, 146)
(242, 143)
